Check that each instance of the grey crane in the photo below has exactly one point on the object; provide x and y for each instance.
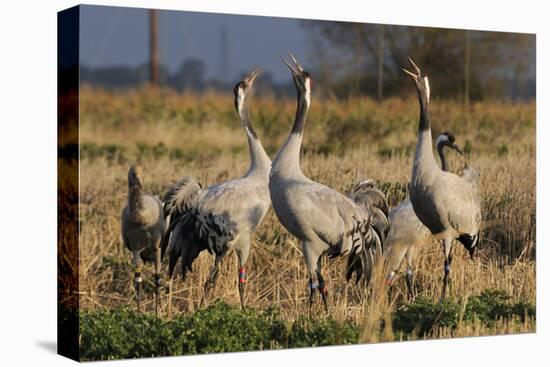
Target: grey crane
(143, 226)
(407, 233)
(447, 204)
(325, 221)
(222, 217)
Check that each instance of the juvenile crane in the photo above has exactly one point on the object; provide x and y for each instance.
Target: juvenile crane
(143, 225)
(222, 217)
(407, 233)
(324, 220)
(447, 204)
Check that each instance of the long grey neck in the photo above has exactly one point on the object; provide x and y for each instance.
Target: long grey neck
(259, 160)
(442, 157)
(288, 158)
(135, 201)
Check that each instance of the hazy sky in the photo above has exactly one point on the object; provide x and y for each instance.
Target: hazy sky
(119, 36)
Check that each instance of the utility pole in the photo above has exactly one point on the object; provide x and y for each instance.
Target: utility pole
(381, 63)
(467, 69)
(153, 47)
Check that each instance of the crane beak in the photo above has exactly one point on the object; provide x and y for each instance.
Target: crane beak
(455, 147)
(416, 75)
(409, 73)
(416, 68)
(294, 72)
(296, 69)
(249, 79)
(298, 66)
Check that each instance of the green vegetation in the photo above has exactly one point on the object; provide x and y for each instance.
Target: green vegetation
(422, 316)
(123, 333)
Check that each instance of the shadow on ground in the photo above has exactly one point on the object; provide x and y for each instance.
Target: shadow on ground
(48, 345)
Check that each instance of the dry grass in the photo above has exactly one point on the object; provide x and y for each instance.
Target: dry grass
(200, 136)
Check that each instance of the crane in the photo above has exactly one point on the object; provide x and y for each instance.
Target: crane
(447, 204)
(143, 226)
(223, 217)
(325, 221)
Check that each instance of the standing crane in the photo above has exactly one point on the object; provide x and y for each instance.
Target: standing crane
(222, 217)
(325, 221)
(407, 233)
(143, 226)
(448, 205)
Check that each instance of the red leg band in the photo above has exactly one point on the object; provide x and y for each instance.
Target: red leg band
(242, 275)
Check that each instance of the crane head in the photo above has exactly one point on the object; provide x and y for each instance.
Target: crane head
(302, 79)
(421, 82)
(135, 176)
(447, 139)
(243, 87)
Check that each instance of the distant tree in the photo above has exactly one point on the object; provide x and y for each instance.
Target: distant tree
(113, 77)
(190, 75)
(120, 76)
(144, 74)
(367, 58)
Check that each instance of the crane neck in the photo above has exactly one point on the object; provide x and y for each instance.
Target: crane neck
(135, 201)
(259, 160)
(424, 157)
(288, 158)
(244, 115)
(303, 101)
(424, 119)
(442, 157)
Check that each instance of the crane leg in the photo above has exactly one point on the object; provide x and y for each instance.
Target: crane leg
(410, 284)
(324, 291)
(243, 252)
(170, 298)
(447, 266)
(157, 279)
(210, 281)
(410, 254)
(242, 285)
(311, 256)
(322, 286)
(313, 285)
(137, 279)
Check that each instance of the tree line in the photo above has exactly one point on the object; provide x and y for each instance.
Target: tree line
(353, 58)
(349, 59)
(190, 76)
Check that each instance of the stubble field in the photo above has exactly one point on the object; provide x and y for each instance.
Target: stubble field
(172, 135)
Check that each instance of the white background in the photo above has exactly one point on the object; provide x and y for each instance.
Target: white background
(28, 181)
